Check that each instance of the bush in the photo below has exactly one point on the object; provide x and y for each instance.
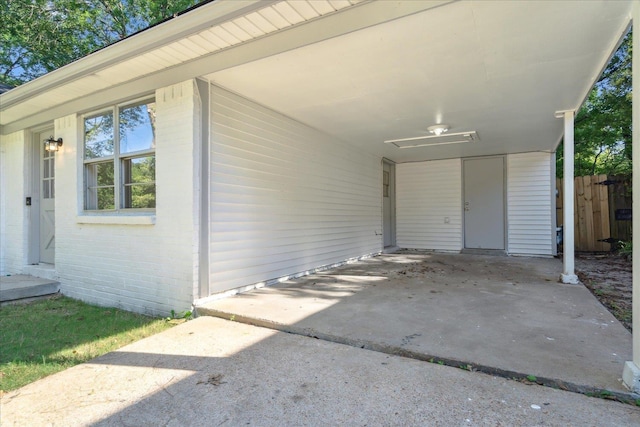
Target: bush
(626, 249)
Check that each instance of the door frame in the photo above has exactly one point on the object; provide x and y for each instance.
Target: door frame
(392, 199)
(33, 154)
(504, 203)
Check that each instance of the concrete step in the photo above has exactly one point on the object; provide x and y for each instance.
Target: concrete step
(23, 287)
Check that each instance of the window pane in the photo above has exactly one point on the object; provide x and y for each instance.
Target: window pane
(140, 196)
(100, 186)
(137, 127)
(106, 198)
(98, 136)
(104, 173)
(139, 187)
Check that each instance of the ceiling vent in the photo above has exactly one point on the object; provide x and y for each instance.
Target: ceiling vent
(429, 140)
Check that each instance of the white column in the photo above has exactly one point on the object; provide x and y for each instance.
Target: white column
(631, 371)
(568, 275)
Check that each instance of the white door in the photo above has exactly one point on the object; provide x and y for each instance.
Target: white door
(388, 200)
(47, 199)
(484, 203)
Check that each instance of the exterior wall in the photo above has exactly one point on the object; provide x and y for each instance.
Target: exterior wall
(530, 213)
(13, 212)
(285, 198)
(429, 192)
(426, 194)
(141, 263)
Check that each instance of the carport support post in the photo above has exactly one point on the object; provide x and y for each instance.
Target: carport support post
(568, 275)
(631, 371)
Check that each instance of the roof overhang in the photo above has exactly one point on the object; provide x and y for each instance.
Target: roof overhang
(497, 69)
(215, 36)
(363, 71)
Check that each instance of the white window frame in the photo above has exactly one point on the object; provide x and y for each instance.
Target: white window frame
(117, 158)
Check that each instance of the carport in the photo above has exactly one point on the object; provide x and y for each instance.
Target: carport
(433, 80)
(502, 77)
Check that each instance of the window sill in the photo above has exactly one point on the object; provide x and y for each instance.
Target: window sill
(117, 219)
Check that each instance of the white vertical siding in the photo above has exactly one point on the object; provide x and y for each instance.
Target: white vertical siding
(13, 212)
(427, 193)
(285, 198)
(530, 216)
(149, 268)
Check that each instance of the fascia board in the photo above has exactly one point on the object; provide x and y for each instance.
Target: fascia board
(198, 19)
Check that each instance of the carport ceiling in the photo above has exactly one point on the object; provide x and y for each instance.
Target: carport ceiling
(501, 69)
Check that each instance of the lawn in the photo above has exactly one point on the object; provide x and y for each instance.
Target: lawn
(48, 336)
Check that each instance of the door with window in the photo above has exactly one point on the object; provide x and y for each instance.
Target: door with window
(47, 201)
(388, 204)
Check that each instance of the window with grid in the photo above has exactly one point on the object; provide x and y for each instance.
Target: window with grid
(120, 158)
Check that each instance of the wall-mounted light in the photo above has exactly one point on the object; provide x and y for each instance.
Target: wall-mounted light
(51, 144)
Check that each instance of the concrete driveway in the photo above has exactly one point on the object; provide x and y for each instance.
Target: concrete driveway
(487, 312)
(504, 315)
(213, 372)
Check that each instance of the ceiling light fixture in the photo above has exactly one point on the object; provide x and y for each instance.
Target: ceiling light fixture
(438, 129)
(431, 140)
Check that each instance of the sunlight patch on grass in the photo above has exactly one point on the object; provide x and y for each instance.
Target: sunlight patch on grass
(45, 337)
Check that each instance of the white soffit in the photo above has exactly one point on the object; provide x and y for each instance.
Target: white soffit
(274, 17)
(500, 68)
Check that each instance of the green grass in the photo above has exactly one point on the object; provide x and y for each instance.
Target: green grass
(48, 336)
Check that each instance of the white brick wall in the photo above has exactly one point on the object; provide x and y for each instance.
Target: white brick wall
(13, 212)
(426, 194)
(144, 268)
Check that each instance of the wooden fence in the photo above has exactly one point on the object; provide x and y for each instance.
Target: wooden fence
(602, 215)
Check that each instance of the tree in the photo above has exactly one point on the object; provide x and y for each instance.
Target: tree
(603, 124)
(39, 36)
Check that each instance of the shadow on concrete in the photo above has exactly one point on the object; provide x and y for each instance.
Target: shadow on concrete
(480, 312)
(500, 315)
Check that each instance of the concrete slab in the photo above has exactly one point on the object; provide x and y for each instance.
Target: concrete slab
(210, 372)
(505, 315)
(18, 287)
